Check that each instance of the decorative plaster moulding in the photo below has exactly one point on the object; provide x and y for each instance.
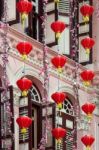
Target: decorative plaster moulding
(34, 61)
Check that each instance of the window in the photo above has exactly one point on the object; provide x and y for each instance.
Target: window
(68, 107)
(64, 42)
(32, 29)
(66, 120)
(35, 96)
(5, 126)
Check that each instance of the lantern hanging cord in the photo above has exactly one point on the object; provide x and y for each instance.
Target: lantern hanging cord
(59, 38)
(24, 69)
(24, 27)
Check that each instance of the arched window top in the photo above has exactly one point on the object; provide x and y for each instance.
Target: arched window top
(35, 95)
(68, 107)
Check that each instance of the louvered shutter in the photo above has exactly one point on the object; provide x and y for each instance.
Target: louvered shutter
(63, 11)
(67, 122)
(8, 138)
(52, 15)
(12, 18)
(26, 109)
(64, 7)
(84, 31)
(51, 120)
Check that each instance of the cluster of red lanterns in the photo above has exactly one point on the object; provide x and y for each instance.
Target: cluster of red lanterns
(86, 10)
(24, 48)
(24, 84)
(58, 98)
(88, 108)
(24, 7)
(87, 44)
(59, 62)
(58, 27)
(24, 122)
(58, 134)
(87, 77)
(88, 140)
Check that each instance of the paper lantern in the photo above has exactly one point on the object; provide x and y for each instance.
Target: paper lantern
(58, 27)
(87, 77)
(88, 140)
(86, 10)
(59, 62)
(59, 97)
(24, 49)
(24, 85)
(58, 134)
(88, 108)
(87, 44)
(24, 122)
(24, 7)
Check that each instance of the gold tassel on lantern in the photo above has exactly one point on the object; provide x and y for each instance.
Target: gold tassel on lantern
(24, 57)
(58, 34)
(59, 141)
(88, 148)
(87, 51)
(59, 106)
(23, 130)
(86, 83)
(60, 70)
(86, 18)
(89, 117)
(23, 19)
(56, 1)
(24, 93)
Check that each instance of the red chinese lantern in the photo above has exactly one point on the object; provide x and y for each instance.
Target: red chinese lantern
(59, 97)
(24, 7)
(88, 108)
(86, 10)
(24, 122)
(87, 77)
(87, 140)
(58, 27)
(59, 62)
(87, 44)
(58, 134)
(24, 49)
(24, 85)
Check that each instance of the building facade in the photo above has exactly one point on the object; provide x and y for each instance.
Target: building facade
(33, 105)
